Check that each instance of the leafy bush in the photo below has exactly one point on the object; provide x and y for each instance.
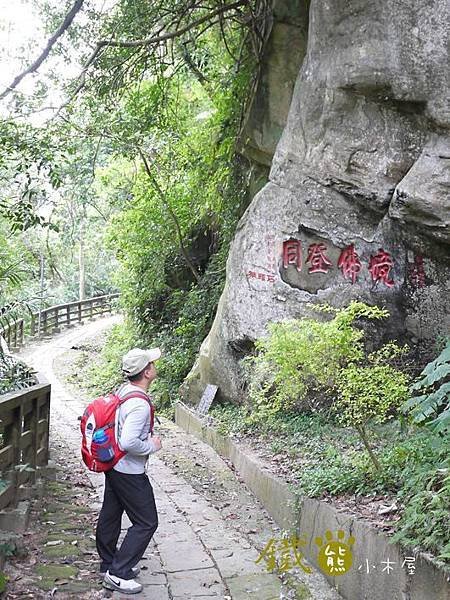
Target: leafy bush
(304, 356)
(432, 408)
(106, 375)
(14, 374)
(371, 392)
(178, 327)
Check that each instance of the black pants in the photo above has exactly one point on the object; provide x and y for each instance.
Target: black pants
(134, 495)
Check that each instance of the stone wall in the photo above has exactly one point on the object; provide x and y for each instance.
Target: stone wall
(357, 204)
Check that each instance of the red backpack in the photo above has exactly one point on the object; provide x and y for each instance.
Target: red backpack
(99, 447)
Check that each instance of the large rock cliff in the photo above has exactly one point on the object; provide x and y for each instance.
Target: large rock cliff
(357, 202)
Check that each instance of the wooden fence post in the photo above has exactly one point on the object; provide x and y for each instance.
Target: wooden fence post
(14, 433)
(24, 421)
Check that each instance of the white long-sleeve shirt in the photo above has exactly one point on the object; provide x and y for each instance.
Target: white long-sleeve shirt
(133, 431)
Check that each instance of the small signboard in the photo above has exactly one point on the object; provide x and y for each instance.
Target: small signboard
(206, 400)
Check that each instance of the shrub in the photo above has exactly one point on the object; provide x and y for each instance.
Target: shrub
(305, 358)
(300, 358)
(14, 374)
(371, 392)
(425, 493)
(99, 378)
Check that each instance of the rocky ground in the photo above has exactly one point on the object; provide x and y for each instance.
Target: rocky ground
(212, 529)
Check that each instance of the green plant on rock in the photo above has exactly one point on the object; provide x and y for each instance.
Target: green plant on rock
(371, 392)
(303, 357)
(432, 407)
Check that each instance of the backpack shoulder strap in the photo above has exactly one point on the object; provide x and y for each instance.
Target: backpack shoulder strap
(136, 394)
(144, 396)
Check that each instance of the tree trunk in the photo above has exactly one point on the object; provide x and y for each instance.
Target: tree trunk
(362, 432)
(172, 215)
(42, 280)
(82, 275)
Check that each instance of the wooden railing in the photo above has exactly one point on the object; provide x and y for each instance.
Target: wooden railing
(53, 318)
(24, 429)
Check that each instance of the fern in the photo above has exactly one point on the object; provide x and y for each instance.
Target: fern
(432, 407)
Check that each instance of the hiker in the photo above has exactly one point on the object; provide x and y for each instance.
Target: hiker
(127, 487)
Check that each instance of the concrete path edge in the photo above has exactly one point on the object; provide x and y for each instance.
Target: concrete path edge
(311, 518)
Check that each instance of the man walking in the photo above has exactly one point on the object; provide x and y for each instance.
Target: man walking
(127, 487)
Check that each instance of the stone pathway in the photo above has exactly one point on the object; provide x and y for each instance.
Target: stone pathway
(212, 529)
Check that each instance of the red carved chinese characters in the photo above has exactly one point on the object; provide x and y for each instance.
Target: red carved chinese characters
(320, 263)
(261, 276)
(292, 254)
(379, 267)
(349, 263)
(380, 264)
(418, 272)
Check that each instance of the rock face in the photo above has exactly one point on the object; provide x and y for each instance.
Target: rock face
(280, 64)
(357, 205)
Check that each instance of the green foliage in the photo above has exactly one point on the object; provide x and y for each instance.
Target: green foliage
(3, 578)
(414, 471)
(14, 375)
(302, 357)
(432, 407)
(6, 549)
(106, 376)
(371, 391)
(28, 164)
(335, 472)
(178, 326)
(10, 274)
(173, 178)
(426, 496)
(187, 190)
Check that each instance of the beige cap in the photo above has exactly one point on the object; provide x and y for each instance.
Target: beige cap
(136, 359)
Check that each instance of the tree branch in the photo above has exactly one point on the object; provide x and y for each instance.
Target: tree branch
(172, 214)
(153, 40)
(51, 42)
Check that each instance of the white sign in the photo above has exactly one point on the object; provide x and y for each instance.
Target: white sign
(206, 400)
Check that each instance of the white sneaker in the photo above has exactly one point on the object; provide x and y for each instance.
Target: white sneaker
(136, 570)
(125, 586)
